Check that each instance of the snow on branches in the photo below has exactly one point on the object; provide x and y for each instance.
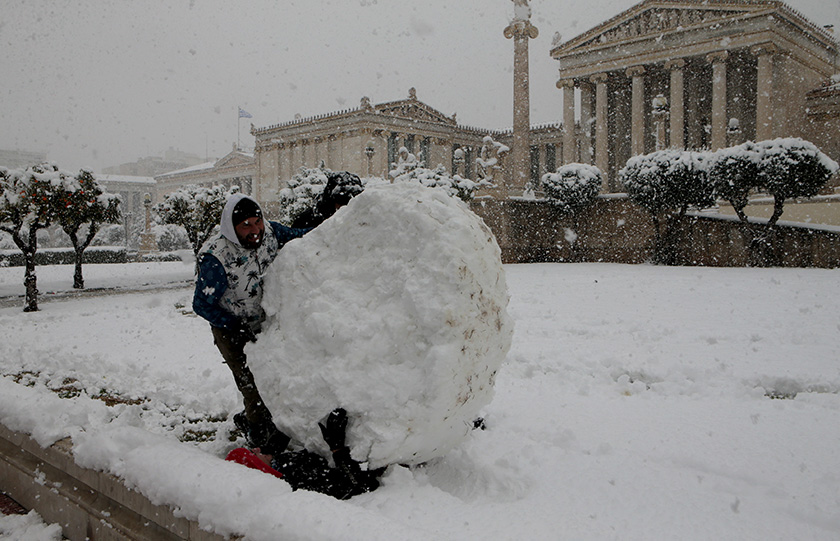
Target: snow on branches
(198, 209)
(409, 169)
(41, 195)
(573, 186)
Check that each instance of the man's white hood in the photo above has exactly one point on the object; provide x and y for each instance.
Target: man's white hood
(226, 225)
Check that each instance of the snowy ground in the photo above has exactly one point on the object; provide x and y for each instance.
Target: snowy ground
(635, 403)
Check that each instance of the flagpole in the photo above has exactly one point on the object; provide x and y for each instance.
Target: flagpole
(238, 117)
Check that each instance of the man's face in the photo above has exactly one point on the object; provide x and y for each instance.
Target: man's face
(250, 232)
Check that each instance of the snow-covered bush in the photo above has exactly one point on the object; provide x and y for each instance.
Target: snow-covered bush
(409, 169)
(668, 181)
(110, 235)
(792, 167)
(573, 186)
(170, 237)
(301, 194)
(395, 310)
(197, 209)
(733, 174)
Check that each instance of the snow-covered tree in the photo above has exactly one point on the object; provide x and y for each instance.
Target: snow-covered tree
(301, 194)
(792, 167)
(81, 201)
(573, 186)
(197, 209)
(27, 206)
(668, 182)
(409, 169)
(733, 173)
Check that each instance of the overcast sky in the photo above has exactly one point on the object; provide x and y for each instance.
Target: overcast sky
(95, 83)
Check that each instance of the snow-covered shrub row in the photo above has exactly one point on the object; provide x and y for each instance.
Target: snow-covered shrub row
(394, 309)
(66, 256)
(675, 180)
(409, 169)
(573, 186)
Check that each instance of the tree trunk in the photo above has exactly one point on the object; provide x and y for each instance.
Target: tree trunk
(30, 280)
(78, 280)
(778, 209)
(79, 249)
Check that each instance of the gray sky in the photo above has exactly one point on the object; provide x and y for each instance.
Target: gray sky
(95, 83)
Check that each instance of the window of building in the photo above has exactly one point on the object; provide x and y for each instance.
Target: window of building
(392, 151)
(424, 152)
(550, 158)
(535, 166)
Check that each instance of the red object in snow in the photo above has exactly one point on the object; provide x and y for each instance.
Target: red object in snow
(248, 458)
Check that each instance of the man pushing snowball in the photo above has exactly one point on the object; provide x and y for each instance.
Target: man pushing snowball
(228, 294)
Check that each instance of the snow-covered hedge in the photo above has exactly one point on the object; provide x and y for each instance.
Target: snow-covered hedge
(573, 186)
(66, 256)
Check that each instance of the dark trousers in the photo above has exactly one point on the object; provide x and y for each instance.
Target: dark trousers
(263, 432)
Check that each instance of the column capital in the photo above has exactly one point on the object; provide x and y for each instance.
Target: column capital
(521, 28)
(599, 78)
(761, 49)
(565, 83)
(635, 71)
(675, 64)
(717, 56)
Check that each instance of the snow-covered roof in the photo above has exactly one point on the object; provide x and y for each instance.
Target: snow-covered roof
(125, 178)
(199, 167)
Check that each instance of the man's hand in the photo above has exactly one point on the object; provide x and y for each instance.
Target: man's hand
(334, 429)
(244, 332)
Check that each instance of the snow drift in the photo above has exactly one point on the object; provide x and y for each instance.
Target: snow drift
(394, 309)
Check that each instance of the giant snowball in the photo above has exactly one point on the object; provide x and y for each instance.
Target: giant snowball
(395, 310)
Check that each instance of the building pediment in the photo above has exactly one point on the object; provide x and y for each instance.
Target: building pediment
(234, 159)
(652, 19)
(413, 109)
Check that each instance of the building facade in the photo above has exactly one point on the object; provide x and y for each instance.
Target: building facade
(237, 168)
(365, 141)
(695, 74)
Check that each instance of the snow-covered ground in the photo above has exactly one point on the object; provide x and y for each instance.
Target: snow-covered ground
(635, 403)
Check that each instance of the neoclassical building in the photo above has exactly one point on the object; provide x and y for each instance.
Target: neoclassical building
(237, 168)
(365, 141)
(696, 74)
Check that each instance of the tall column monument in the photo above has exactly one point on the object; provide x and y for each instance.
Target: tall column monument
(520, 29)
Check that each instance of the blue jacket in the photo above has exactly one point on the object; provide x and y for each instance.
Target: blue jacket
(213, 279)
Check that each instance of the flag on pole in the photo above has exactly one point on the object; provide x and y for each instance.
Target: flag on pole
(243, 113)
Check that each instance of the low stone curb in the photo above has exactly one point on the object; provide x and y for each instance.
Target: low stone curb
(89, 505)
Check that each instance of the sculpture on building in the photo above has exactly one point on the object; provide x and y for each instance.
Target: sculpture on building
(489, 160)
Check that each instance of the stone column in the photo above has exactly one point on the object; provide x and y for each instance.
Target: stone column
(602, 158)
(677, 105)
(520, 30)
(764, 87)
(586, 117)
(637, 115)
(568, 88)
(719, 120)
